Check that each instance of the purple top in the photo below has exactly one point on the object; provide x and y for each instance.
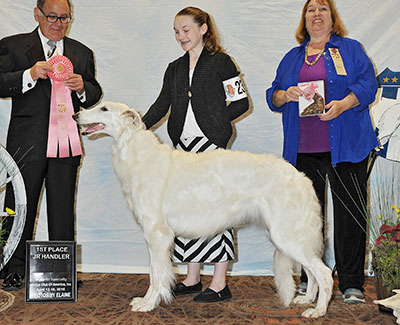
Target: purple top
(314, 133)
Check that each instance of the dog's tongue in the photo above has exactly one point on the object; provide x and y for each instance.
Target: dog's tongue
(93, 128)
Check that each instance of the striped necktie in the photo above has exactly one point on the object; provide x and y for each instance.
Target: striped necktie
(52, 49)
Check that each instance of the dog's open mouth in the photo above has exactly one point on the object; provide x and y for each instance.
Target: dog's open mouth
(91, 128)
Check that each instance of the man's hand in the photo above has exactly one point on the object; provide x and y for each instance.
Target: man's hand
(40, 69)
(74, 82)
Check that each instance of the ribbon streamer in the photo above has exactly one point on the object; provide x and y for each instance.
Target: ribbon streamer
(62, 128)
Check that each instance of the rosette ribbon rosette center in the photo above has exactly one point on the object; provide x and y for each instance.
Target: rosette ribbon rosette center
(63, 131)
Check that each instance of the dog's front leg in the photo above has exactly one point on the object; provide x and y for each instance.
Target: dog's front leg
(159, 239)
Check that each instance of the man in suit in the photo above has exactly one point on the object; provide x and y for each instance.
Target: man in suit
(23, 77)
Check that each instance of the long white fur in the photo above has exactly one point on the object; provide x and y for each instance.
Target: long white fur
(173, 193)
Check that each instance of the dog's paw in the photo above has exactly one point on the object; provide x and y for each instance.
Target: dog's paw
(135, 300)
(302, 300)
(313, 313)
(141, 304)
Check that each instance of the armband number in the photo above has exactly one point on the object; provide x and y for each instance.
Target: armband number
(234, 89)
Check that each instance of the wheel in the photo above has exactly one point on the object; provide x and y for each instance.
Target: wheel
(9, 172)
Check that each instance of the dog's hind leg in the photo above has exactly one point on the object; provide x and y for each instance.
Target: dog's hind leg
(283, 277)
(159, 239)
(305, 255)
(324, 279)
(312, 290)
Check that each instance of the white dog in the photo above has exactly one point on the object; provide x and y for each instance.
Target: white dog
(197, 195)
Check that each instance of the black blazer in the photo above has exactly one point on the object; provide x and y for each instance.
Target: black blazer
(206, 93)
(29, 121)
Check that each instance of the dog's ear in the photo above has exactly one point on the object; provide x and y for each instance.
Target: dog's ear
(136, 120)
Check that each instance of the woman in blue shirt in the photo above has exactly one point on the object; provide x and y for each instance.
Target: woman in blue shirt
(334, 144)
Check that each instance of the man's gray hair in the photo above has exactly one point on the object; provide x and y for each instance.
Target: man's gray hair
(40, 4)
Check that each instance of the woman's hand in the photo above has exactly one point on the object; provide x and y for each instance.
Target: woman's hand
(333, 110)
(281, 97)
(337, 107)
(293, 93)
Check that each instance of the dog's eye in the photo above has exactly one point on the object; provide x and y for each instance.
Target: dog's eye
(104, 109)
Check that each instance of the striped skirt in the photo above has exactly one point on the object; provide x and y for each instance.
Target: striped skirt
(218, 249)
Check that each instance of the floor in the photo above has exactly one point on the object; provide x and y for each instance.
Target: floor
(104, 299)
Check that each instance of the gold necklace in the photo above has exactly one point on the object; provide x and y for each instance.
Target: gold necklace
(316, 59)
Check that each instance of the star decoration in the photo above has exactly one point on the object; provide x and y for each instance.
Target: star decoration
(394, 79)
(386, 79)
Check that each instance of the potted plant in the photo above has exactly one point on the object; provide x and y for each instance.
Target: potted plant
(386, 255)
(383, 219)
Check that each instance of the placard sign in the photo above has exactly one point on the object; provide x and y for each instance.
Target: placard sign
(51, 271)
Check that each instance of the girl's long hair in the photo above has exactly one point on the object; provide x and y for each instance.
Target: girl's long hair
(210, 38)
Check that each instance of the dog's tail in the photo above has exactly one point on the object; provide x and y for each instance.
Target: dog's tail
(283, 275)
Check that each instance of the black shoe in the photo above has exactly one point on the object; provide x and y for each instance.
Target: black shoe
(181, 289)
(210, 295)
(13, 281)
(79, 284)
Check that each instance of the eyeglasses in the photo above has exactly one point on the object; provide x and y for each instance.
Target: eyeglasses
(53, 19)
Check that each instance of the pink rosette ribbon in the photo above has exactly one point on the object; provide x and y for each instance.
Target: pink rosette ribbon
(62, 128)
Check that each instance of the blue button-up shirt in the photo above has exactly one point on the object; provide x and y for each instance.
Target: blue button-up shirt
(351, 135)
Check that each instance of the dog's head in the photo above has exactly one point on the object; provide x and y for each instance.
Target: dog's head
(110, 118)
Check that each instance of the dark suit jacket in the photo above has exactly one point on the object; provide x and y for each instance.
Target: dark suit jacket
(30, 111)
